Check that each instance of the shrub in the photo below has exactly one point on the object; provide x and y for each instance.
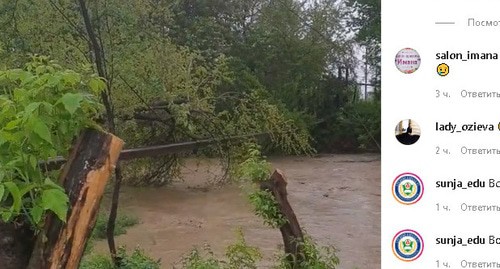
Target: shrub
(238, 256)
(314, 257)
(137, 260)
(122, 223)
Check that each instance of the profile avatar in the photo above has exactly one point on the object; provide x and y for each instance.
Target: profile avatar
(443, 69)
(407, 188)
(407, 60)
(407, 245)
(407, 132)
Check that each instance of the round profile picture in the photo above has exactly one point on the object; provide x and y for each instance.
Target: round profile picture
(407, 132)
(407, 60)
(407, 245)
(407, 188)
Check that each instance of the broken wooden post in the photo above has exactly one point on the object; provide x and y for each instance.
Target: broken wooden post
(291, 232)
(84, 177)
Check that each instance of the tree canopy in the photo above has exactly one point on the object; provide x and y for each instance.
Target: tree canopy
(190, 69)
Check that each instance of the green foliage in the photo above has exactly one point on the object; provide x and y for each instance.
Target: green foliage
(364, 19)
(196, 260)
(265, 206)
(177, 71)
(136, 260)
(242, 256)
(256, 169)
(291, 49)
(239, 255)
(97, 262)
(257, 110)
(42, 109)
(209, 68)
(156, 171)
(210, 63)
(314, 257)
(123, 222)
(360, 124)
(253, 167)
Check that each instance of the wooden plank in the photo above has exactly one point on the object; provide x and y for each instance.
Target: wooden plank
(155, 151)
(84, 177)
(291, 231)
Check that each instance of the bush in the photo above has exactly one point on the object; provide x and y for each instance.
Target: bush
(137, 260)
(122, 223)
(242, 256)
(355, 127)
(314, 257)
(238, 256)
(97, 262)
(196, 260)
(42, 109)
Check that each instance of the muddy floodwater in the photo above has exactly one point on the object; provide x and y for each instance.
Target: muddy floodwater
(336, 199)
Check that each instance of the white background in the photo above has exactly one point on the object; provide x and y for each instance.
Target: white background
(412, 24)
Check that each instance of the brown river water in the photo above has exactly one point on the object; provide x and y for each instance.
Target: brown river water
(336, 199)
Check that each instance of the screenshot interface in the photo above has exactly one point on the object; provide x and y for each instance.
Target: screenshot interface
(305, 134)
(440, 134)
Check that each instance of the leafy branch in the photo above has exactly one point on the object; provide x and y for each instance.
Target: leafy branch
(43, 108)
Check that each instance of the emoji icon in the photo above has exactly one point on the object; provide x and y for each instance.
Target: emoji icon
(443, 69)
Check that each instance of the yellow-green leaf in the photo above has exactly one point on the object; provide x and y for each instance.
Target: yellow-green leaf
(36, 213)
(97, 84)
(16, 195)
(41, 129)
(71, 77)
(2, 191)
(56, 201)
(71, 102)
(12, 125)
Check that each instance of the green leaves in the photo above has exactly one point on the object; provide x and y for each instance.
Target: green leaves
(12, 125)
(36, 213)
(42, 108)
(2, 191)
(267, 208)
(15, 194)
(71, 77)
(56, 201)
(254, 168)
(71, 102)
(41, 129)
(28, 111)
(96, 84)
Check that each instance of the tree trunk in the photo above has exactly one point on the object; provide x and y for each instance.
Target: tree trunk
(290, 231)
(84, 178)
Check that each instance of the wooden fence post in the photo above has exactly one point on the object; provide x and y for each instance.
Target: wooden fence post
(84, 177)
(290, 231)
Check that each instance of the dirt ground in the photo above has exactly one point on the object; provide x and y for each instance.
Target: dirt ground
(336, 199)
